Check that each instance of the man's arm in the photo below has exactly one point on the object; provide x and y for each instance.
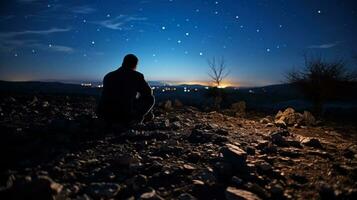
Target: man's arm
(144, 88)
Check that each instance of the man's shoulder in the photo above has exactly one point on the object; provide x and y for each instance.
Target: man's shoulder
(108, 75)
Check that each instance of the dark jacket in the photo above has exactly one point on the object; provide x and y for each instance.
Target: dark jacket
(122, 88)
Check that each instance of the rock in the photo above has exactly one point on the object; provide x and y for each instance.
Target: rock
(313, 142)
(186, 196)
(41, 187)
(233, 193)
(292, 118)
(239, 107)
(176, 125)
(308, 118)
(200, 136)
(278, 139)
(150, 195)
(264, 167)
(265, 120)
(277, 191)
(234, 155)
(138, 182)
(177, 103)
(45, 104)
(223, 169)
(250, 150)
(289, 116)
(168, 105)
(326, 192)
(280, 123)
(299, 178)
(103, 190)
(238, 182)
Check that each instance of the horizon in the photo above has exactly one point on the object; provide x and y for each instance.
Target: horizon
(84, 40)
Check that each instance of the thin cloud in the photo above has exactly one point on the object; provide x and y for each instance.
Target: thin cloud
(34, 32)
(324, 46)
(83, 10)
(119, 22)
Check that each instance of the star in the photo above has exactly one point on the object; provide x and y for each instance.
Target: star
(15, 55)
(268, 50)
(187, 34)
(153, 55)
(258, 30)
(216, 12)
(280, 26)
(163, 28)
(179, 41)
(48, 6)
(108, 15)
(197, 10)
(33, 50)
(319, 11)
(93, 42)
(237, 17)
(50, 45)
(84, 21)
(201, 53)
(216, 2)
(178, 25)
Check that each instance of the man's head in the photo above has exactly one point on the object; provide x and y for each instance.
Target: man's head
(130, 61)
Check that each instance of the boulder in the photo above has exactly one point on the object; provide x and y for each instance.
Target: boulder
(233, 193)
(292, 118)
(239, 107)
(234, 155)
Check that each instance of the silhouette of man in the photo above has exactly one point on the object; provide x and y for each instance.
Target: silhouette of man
(126, 97)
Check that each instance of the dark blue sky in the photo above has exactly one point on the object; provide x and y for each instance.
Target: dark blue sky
(83, 40)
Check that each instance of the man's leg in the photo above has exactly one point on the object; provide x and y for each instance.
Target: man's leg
(143, 107)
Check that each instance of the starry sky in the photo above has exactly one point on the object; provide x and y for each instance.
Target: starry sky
(259, 39)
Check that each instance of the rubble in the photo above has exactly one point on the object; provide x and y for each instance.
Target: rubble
(63, 151)
(289, 117)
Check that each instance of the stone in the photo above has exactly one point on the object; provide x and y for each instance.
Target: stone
(234, 155)
(265, 120)
(150, 195)
(250, 150)
(280, 123)
(278, 139)
(239, 107)
(289, 116)
(177, 103)
(264, 167)
(233, 193)
(41, 187)
(308, 118)
(186, 196)
(103, 190)
(313, 142)
(168, 105)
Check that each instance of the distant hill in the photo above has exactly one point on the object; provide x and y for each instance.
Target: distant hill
(37, 87)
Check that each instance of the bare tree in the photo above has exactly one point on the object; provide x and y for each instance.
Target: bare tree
(321, 81)
(218, 70)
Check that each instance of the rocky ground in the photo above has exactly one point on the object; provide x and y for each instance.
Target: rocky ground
(53, 147)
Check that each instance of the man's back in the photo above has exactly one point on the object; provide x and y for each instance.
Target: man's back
(121, 89)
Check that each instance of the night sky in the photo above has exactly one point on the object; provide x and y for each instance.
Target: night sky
(260, 40)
